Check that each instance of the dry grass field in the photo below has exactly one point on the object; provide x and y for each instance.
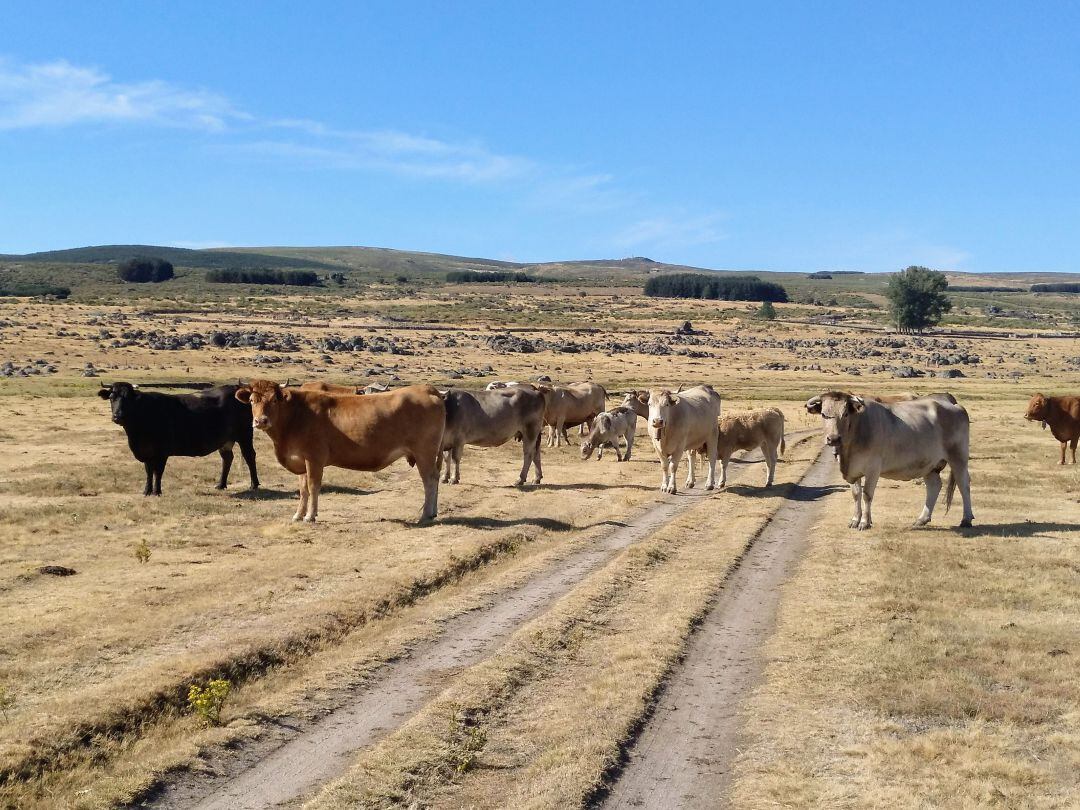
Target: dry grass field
(909, 667)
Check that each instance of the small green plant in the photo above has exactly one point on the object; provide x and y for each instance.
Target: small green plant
(467, 739)
(142, 551)
(208, 701)
(767, 312)
(7, 701)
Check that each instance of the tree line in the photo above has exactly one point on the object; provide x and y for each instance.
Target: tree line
(1060, 287)
(721, 288)
(493, 277)
(145, 269)
(262, 275)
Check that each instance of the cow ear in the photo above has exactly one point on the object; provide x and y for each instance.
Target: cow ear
(858, 404)
(243, 395)
(813, 405)
(104, 393)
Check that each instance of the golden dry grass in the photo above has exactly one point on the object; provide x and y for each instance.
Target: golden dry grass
(99, 662)
(932, 667)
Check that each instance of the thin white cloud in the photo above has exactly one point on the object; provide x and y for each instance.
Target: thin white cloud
(671, 232)
(59, 94)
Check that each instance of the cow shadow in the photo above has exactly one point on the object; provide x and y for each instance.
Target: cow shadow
(263, 494)
(489, 523)
(591, 485)
(796, 492)
(1024, 528)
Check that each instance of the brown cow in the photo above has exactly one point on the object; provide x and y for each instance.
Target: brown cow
(1062, 414)
(312, 430)
(570, 405)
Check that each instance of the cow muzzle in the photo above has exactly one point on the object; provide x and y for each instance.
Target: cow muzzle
(832, 441)
(260, 423)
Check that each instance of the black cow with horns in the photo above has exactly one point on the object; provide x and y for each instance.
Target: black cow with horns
(162, 425)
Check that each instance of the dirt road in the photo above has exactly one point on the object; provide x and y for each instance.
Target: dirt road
(683, 757)
(294, 759)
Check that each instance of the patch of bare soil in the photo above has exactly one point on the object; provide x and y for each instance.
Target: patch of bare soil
(684, 755)
(298, 756)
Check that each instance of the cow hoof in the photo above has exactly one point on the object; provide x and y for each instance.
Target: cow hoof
(219, 486)
(297, 518)
(709, 487)
(254, 486)
(310, 519)
(920, 522)
(864, 526)
(965, 524)
(853, 523)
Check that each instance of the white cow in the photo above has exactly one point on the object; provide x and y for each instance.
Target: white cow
(684, 422)
(900, 441)
(608, 428)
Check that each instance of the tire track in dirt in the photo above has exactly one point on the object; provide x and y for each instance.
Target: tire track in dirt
(297, 758)
(684, 755)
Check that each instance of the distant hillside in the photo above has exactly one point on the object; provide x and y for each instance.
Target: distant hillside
(181, 257)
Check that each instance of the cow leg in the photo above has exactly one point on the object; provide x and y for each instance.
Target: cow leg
(723, 470)
(314, 484)
(302, 508)
(629, 447)
(960, 474)
(159, 470)
(149, 488)
(769, 451)
(691, 479)
(458, 449)
(856, 495)
(869, 485)
(446, 456)
(933, 489)
(226, 452)
(429, 475)
(551, 436)
(1063, 446)
(536, 459)
(1073, 446)
(673, 470)
(710, 479)
(247, 450)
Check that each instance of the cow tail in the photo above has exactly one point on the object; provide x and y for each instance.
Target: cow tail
(950, 487)
(783, 444)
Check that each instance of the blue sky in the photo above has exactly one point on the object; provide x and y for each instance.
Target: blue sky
(770, 136)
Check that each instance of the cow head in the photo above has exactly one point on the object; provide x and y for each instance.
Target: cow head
(122, 397)
(635, 399)
(660, 404)
(601, 427)
(266, 399)
(840, 412)
(1037, 410)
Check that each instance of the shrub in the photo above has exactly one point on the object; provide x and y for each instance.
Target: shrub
(262, 275)
(723, 288)
(141, 270)
(766, 311)
(7, 701)
(208, 702)
(142, 551)
(821, 274)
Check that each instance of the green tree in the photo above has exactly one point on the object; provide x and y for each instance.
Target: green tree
(917, 298)
(766, 311)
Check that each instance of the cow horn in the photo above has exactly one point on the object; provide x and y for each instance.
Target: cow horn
(135, 386)
(813, 405)
(287, 383)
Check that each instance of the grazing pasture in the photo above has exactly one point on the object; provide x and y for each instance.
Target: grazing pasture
(931, 662)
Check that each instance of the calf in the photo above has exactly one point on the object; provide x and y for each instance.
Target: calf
(763, 428)
(490, 419)
(900, 441)
(312, 430)
(607, 429)
(162, 425)
(684, 422)
(1062, 414)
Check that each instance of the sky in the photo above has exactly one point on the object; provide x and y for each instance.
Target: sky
(758, 136)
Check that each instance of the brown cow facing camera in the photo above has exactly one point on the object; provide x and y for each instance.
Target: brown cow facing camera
(1061, 415)
(312, 430)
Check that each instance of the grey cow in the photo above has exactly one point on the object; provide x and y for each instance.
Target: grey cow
(490, 419)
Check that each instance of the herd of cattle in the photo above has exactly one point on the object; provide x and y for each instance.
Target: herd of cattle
(317, 425)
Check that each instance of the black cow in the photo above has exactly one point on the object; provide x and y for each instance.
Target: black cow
(162, 425)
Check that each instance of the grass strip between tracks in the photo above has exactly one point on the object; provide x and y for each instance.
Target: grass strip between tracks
(540, 722)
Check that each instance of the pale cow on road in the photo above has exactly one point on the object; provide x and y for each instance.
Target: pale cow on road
(607, 429)
(763, 428)
(684, 422)
(570, 405)
(490, 419)
(900, 441)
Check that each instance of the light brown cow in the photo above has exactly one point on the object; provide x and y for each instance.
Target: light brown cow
(907, 396)
(684, 422)
(900, 441)
(637, 401)
(312, 430)
(763, 428)
(335, 388)
(570, 405)
(607, 429)
(1062, 414)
